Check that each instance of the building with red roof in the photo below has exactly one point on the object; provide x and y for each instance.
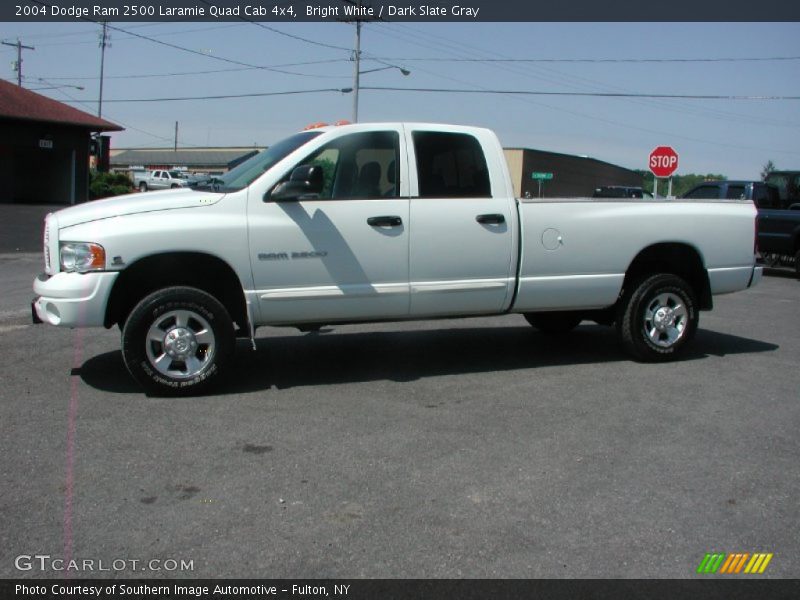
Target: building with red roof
(44, 148)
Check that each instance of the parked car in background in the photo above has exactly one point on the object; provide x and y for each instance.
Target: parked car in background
(762, 194)
(620, 191)
(160, 180)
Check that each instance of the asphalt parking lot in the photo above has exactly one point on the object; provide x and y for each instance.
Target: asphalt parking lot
(464, 448)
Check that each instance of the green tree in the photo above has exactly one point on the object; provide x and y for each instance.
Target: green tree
(103, 185)
(768, 168)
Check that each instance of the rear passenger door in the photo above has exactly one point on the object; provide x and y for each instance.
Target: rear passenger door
(462, 231)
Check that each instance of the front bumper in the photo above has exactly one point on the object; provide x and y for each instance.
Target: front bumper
(72, 299)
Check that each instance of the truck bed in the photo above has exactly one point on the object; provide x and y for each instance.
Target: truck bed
(575, 256)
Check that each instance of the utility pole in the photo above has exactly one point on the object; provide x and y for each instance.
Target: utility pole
(176, 136)
(103, 43)
(357, 68)
(18, 64)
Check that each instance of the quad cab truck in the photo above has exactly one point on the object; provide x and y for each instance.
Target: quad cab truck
(160, 180)
(379, 222)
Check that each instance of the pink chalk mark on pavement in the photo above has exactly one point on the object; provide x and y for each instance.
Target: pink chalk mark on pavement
(72, 417)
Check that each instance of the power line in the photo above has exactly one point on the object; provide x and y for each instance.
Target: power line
(594, 60)
(158, 34)
(289, 35)
(228, 96)
(459, 46)
(205, 72)
(73, 100)
(591, 94)
(191, 51)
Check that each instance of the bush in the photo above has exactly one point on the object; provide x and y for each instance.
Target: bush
(103, 185)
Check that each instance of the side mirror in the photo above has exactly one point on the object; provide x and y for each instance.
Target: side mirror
(305, 182)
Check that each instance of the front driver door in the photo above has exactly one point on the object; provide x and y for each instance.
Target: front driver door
(343, 254)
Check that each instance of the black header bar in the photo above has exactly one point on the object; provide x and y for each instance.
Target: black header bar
(468, 11)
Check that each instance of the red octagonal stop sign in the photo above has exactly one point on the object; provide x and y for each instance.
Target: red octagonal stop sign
(663, 161)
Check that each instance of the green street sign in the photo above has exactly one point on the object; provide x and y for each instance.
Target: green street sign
(536, 175)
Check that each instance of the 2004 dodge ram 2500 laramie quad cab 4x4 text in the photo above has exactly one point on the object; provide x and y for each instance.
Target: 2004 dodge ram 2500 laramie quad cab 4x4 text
(375, 222)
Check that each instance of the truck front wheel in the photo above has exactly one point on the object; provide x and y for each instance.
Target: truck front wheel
(177, 341)
(657, 317)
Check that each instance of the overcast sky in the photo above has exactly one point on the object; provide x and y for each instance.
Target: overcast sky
(732, 137)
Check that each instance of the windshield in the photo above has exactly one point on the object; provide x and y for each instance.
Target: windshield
(247, 172)
(177, 174)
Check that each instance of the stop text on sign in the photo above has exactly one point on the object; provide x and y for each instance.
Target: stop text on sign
(663, 162)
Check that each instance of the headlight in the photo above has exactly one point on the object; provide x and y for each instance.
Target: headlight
(82, 257)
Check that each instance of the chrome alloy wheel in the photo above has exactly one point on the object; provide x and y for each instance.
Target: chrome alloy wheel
(665, 320)
(180, 344)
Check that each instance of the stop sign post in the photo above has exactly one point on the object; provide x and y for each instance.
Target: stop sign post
(663, 162)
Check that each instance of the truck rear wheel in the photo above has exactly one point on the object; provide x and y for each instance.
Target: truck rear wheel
(177, 341)
(657, 317)
(554, 322)
(143, 187)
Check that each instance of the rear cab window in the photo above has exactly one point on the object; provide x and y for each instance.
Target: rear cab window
(450, 165)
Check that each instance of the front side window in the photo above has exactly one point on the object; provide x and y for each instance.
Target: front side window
(450, 165)
(358, 166)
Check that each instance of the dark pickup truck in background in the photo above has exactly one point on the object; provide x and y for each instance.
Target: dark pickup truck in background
(763, 194)
(779, 230)
(778, 212)
(779, 236)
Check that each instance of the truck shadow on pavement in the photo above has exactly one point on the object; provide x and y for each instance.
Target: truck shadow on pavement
(296, 360)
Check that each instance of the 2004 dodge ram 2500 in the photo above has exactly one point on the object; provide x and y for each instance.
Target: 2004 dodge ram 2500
(374, 222)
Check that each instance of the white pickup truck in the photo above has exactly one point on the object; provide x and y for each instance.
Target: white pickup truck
(375, 222)
(159, 180)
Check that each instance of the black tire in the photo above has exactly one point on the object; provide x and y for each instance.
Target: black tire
(177, 341)
(143, 187)
(771, 260)
(797, 264)
(554, 322)
(658, 316)
(174, 186)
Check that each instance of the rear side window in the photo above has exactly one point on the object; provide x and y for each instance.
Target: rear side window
(735, 192)
(450, 165)
(703, 192)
